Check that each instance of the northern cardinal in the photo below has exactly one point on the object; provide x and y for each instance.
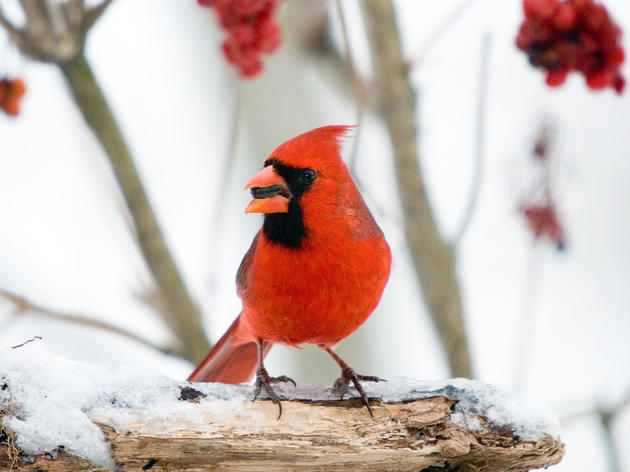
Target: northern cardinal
(314, 272)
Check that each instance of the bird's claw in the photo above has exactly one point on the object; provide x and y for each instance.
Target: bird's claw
(264, 381)
(348, 375)
(282, 379)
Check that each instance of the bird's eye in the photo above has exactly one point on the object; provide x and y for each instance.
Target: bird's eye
(308, 176)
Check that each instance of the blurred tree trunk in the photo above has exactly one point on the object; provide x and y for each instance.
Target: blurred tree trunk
(433, 258)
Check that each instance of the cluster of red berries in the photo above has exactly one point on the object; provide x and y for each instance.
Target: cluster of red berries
(561, 36)
(538, 207)
(251, 31)
(11, 92)
(543, 222)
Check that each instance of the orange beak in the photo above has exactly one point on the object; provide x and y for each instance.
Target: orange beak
(270, 193)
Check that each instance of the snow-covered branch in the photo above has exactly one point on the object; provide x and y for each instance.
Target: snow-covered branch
(66, 415)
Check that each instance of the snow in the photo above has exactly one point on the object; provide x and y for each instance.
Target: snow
(51, 402)
(474, 398)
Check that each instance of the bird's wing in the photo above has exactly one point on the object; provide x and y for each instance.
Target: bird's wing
(243, 269)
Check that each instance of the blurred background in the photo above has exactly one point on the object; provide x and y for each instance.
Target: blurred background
(546, 316)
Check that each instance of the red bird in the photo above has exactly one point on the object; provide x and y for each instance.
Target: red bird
(314, 272)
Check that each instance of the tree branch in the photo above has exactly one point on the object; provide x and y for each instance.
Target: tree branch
(606, 414)
(433, 258)
(36, 15)
(44, 36)
(7, 25)
(358, 86)
(441, 29)
(479, 140)
(28, 341)
(181, 315)
(23, 305)
(325, 435)
(92, 15)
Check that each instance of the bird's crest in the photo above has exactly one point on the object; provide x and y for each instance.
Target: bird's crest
(318, 146)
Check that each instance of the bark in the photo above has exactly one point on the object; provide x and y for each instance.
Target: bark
(328, 435)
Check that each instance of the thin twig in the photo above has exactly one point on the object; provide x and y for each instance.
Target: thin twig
(74, 11)
(480, 132)
(610, 443)
(230, 153)
(611, 409)
(91, 16)
(607, 414)
(36, 17)
(229, 160)
(23, 305)
(34, 338)
(440, 29)
(11, 30)
(358, 86)
(56, 17)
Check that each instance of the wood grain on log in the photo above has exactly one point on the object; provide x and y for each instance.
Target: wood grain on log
(327, 435)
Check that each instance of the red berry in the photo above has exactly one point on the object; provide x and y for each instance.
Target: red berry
(529, 8)
(11, 92)
(594, 16)
(12, 105)
(251, 70)
(242, 33)
(541, 9)
(569, 54)
(556, 77)
(18, 88)
(607, 36)
(543, 221)
(270, 36)
(533, 32)
(616, 57)
(4, 91)
(620, 84)
(565, 17)
(579, 4)
(251, 32)
(250, 7)
(588, 41)
(599, 79)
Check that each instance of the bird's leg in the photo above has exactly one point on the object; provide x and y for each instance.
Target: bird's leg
(264, 381)
(348, 375)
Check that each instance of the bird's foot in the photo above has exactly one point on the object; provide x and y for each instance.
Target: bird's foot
(264, 381)
(348, 375)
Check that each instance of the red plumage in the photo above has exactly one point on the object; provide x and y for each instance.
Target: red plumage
(317, 268)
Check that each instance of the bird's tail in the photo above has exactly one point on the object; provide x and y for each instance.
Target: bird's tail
(229, 362)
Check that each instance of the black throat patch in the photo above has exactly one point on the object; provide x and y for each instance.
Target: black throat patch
(288, 229)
